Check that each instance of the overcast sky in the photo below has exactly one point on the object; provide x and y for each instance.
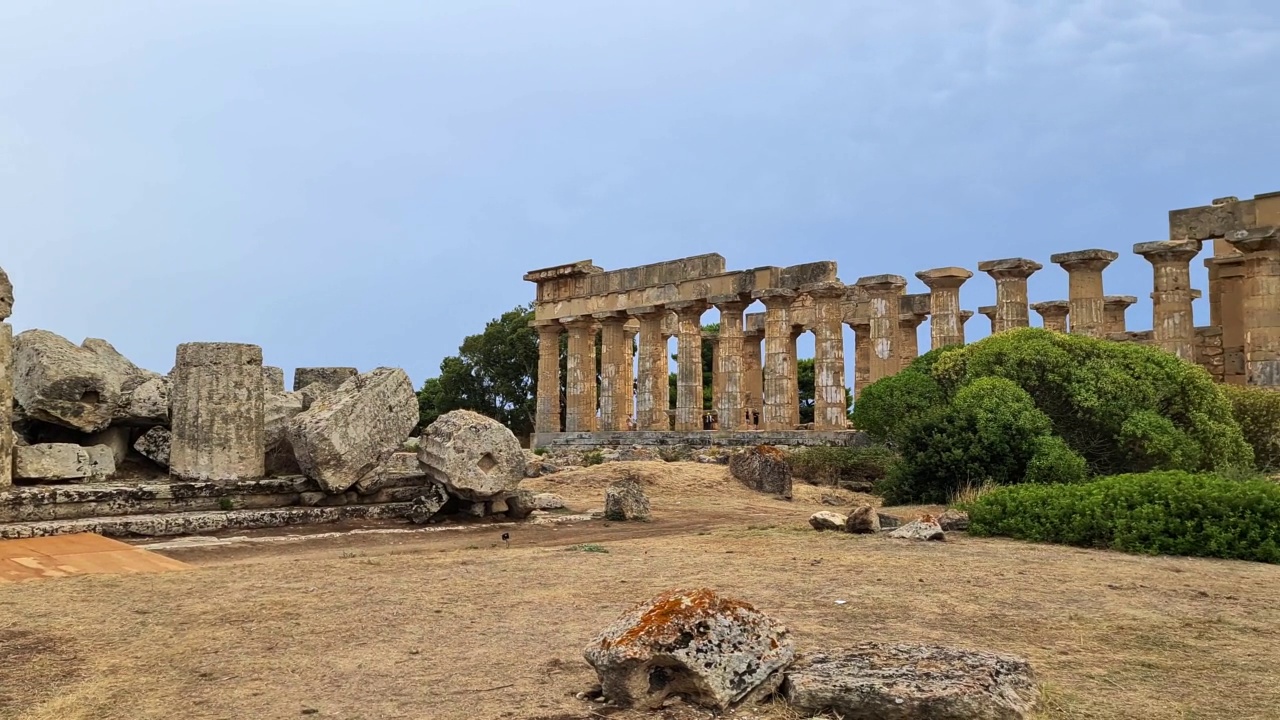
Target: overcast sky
(364, 183)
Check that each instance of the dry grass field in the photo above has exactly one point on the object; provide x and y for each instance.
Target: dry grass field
(455, 625)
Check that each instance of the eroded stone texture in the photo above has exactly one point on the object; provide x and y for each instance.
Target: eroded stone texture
(147, 404)
(7, 437)
(329, 377)
(779, 362)
(625, 500)
(130, 375)
(830, 407)
(714, 651)
(547, 419)
(1261, 291)
(1053, 314)
(861, 357)
(1084, 271)
(689, 364)
(154, 445)
(475, 457)
(580, 375)
(881, 681)
(349, 431)
(863, 520)
(115, 437)
(278, 409)
(428, 503)
(615, 392)
(272, 379)
(58, 382)
(652, 388)
(217, 404)
(884, 294)
(62, 461)
(1011, 276)
(1172, 323)
(944, 284)
(1114, 308)
(398, 468)
(924, 528)
(827, 520)
(730, 364)
(764, 469)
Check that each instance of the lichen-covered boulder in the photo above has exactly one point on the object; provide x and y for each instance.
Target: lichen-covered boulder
(59, 382)
(347, 432)
(475, 457)
(764, 469)
(278, 408)
(713, 650)
(625, 500)
(827, 520)
(881, 681)
(864, 519)
(924, 528)
(154, 445)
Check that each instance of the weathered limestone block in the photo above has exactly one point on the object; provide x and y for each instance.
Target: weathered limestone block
(764, 469)
(925, 528)
(951, 519)
(313, 392)
(348, 432)
(62, 461)
(8, 438)
(827, 520)
(130, 375)
(217, 412)
(428, 503)
(6, 296)
(147, 404)
(154, 445)
(115, 437)
(272, 379)
(625, 500)
(278, 408)
(475, 457)
(398, 468)
(102, 462)
(58, 382)
(884, 681)
(863, 520)
(713, 650)
(329, 377)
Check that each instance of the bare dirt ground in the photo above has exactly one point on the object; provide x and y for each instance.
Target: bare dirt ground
(456, 625)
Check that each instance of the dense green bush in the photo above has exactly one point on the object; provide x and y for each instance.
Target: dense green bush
(1065, 407)
(852, 467)
(1159, 513)
(1257, 410)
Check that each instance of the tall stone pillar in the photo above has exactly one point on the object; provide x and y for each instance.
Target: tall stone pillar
(1084, 277)
(944, 304)
(614, 390)
(964, 318)
(629, 332)
(1230, 272)
(796, 332)
(652, 387)
(6, 382)
(580, 375)
(909, 326)
(689, 364)
(989, 312)
(217, 413)
(753, 382)
(547, 419)
(1011, 276)
(1113, 310)
(830, 411)
(1053, 314)
(884, 298)
(730, 367)
(779, 362)
(1172, 324)
(1261, 261)
(861, 357)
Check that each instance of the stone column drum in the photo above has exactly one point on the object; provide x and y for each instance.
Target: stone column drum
(1113, 311)
(730, 367)
(861, 357)
(779, 363)
(1053, 314)
(884, 297)
(580, 375)
(1261, 248)
(629, 332)
(1084, 277)
(217, 413)
(689, 364)
(547, 419)
(830, 410)
(614, 390)
(909, 327)
(652, 387)
(944, 304)
(1011, 276)
(1172, 323)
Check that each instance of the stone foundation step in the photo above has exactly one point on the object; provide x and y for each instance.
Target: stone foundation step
(194, 523)
(68, 502)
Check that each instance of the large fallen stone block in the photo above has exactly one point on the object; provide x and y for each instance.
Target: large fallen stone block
(154, 445)
(475, 457)
(763, 469)
(625, 500)
(277, 410)
(217, 404)
(147, 404)
(346, 433)
(428, 503)
(131, 376)
(713, 650)
(924, 528)
(329, 377)
(61, 383)
(62, 461)
(881, 681)
(400, 467)
(827, 520)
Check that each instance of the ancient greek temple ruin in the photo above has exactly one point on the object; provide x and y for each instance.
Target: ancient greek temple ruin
(628, 316)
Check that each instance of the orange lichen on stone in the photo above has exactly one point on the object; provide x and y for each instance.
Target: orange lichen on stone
(927, 518)
(770, 451)
(678, 607)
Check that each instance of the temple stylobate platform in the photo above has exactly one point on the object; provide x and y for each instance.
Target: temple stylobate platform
(626, 318)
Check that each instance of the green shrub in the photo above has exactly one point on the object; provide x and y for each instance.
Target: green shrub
(1052, 461)
(887, 406)
(842, 466)
(1158, 513)
(592, 457)
(1257, 410)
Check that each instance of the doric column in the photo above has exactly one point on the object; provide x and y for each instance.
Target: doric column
(964, 318)
(689, 364)
(779, 362)
(884, 298)
(1230, 273)
(629, 332)
(796, 332)
(711, 340)
(861, 357)
(1261, 248)
(547, 419)
(909, 327)
(218, 431)
(1053, 314)
(652, 387)
(1113, 310)
(989, 312)
(614, 391)
(580, 375)
(1172, 323)
(944, 304)
(1084, 281)
(729, 366)
(830, 411)
(753, 378)
(1011, 276)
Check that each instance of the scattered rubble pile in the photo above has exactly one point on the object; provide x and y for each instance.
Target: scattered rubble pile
(864, 519)
(721, 653)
